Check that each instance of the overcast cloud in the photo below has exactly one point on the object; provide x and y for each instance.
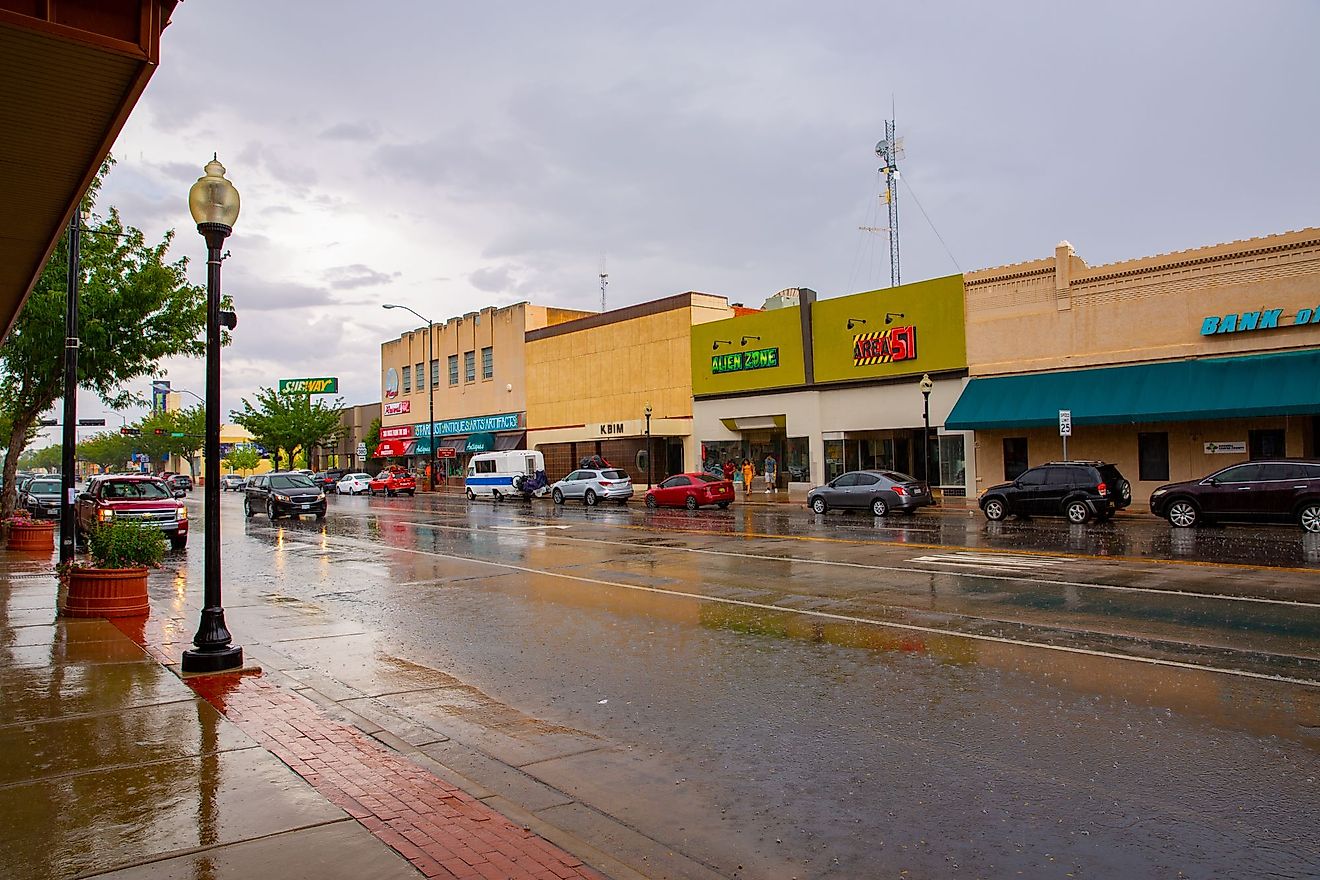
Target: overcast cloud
(445, 156)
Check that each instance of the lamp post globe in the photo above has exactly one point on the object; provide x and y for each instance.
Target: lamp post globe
(213, 202)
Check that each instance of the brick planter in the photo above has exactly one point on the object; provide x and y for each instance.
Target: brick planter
(106, 592)
(36, 536)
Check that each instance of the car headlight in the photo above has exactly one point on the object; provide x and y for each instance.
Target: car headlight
(1158, 492)
(278, 497)
(105, 515)
(183, 514)
(320, 496)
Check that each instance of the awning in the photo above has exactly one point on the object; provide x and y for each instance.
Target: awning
(392, 448)
(1177, 391)
(510, 441)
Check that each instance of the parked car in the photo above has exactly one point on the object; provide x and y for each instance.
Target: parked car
(326, 482)
(1274, 490)
(879, 491)
(232, 483)
(283, 494)
(593, 485)
(42, 497)
(691, 491)
(353, 484)
(181, 481)
(144, 498)
(1079, 490)
(392, 481)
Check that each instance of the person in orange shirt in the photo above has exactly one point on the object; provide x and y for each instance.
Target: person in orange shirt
(748, 474)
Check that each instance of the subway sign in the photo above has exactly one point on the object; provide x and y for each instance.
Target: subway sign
(309, 386)
(737, 361)
(885, 346)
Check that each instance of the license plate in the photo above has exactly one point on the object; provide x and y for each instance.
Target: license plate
(916, 491)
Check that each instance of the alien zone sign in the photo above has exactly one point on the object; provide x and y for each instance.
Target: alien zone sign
(885, 346)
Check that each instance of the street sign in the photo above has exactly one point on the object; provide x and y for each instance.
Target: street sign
(362, 450)
(1065, 423)
(327, 385)
(446, 452)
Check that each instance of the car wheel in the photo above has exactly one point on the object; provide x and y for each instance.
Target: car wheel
(878, 507)
(994, 510)
(589, 499)
(651, 502)
(1077, 512)
(691, 502)
(471, 496)
(818, 504)
(270, 510)
(247, 508)
(1183, 514)
(557, 496)
(724, 505)
(179, 543)
(1309, 516)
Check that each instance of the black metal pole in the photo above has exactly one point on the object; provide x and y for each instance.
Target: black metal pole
(925, 438)
(432, 373)
(648, 450)
(69, 441)
(212, 651)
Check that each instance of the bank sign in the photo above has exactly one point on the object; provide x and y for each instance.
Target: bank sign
(1265, 319)
(309, 386)
(736, 361)
(478, 424)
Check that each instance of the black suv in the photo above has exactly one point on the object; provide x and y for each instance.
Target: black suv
(1078, 490)
(283, 494)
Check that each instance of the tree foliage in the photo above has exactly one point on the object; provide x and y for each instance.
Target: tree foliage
(189, 422)
(109, 449)
(242, 457)
(47, 458)
(290, 422)
(135, 310)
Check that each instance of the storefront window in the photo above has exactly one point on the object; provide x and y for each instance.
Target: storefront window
(715, 452)
(834, 464)
(953, 460)
(797, 460)
(1153, 455)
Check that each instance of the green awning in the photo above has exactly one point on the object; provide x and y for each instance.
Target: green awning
(1176, 391)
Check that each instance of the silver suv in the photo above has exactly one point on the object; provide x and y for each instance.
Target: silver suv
(592, 485)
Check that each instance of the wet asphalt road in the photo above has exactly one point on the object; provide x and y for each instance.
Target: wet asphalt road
(770, 693)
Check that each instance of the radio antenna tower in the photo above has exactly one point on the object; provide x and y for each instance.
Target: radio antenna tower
(890, 150)
(604, 282)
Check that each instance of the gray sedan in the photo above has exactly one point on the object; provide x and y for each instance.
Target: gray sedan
(593, 486)
(880, 491)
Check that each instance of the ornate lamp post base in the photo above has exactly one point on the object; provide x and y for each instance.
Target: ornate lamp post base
(223, 660)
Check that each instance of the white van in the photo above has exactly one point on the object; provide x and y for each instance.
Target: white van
(517, 473)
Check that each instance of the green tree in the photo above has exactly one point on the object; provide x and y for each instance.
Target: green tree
(372, 440)
(107, 449)
(290, 422)
(242, 458)
(183, 432)
(136, 309)
(47, 457)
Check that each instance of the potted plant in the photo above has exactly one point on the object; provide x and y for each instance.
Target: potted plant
(25, 533)
(115, 583)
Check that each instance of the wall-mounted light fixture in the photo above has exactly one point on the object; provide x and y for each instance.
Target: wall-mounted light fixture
(890, 316)
(745, 338)
(715, 346)
(852, 322)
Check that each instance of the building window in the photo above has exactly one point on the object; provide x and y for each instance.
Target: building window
(487, 362)
(407, 379)
(435, 372)
(1015, 457)
(453, 369)
(1153, 456)
(469, 366)
(797, 460)
(421, 377)
(953, 460)
(1267, 443)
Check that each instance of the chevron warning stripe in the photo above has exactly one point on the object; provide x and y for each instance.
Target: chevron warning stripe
(885, 346)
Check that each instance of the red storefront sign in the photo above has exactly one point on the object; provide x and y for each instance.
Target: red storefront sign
(391, 448)
(398, 407)
(398, 432)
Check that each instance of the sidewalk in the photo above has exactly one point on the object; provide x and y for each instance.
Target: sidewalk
(111, 765)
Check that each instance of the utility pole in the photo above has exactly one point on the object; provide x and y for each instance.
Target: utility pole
(890, 150)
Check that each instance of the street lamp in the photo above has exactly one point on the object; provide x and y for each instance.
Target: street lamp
(430, 384)
(168, 390)
(648, 445)
(213, 201)
(926, 386)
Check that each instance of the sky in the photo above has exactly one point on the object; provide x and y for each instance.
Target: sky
(448, 156)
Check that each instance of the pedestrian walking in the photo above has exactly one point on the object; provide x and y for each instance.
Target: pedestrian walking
(728, 469)
(771, 473)
(748, 474)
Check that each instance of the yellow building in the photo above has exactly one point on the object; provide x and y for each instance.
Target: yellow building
(591, 380)
(477, 377)
(1171, 366)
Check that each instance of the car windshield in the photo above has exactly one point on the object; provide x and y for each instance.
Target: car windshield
(614, 475)
(291, 481)
(44, 487)
(137, 490)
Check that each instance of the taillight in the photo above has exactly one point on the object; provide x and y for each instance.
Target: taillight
(900, 491)
(606, 483)
(1102, 489)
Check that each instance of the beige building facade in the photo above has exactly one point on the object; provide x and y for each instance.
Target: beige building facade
(591, 380)
(1171, 366)
(474, 369)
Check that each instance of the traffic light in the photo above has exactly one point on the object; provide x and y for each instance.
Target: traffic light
(91, 422)
(130, 432)
(48, 423)
(159, 432)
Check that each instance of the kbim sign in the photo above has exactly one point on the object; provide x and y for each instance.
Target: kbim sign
(309, 386)
(737, 361)
(1265, 319)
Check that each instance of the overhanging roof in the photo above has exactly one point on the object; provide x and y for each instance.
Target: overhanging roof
(1176, 391)
(70, 74)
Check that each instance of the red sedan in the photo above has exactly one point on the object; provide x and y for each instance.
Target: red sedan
(691, 491)
(394, 481)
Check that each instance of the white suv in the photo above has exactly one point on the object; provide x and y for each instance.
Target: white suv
(592, 486)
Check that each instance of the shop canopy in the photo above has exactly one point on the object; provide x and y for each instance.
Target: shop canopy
(393, 448)
(1175, 391)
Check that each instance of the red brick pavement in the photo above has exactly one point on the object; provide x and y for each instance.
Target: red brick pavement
(440, 829)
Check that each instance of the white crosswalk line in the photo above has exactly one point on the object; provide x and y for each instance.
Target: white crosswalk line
(971, 558)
